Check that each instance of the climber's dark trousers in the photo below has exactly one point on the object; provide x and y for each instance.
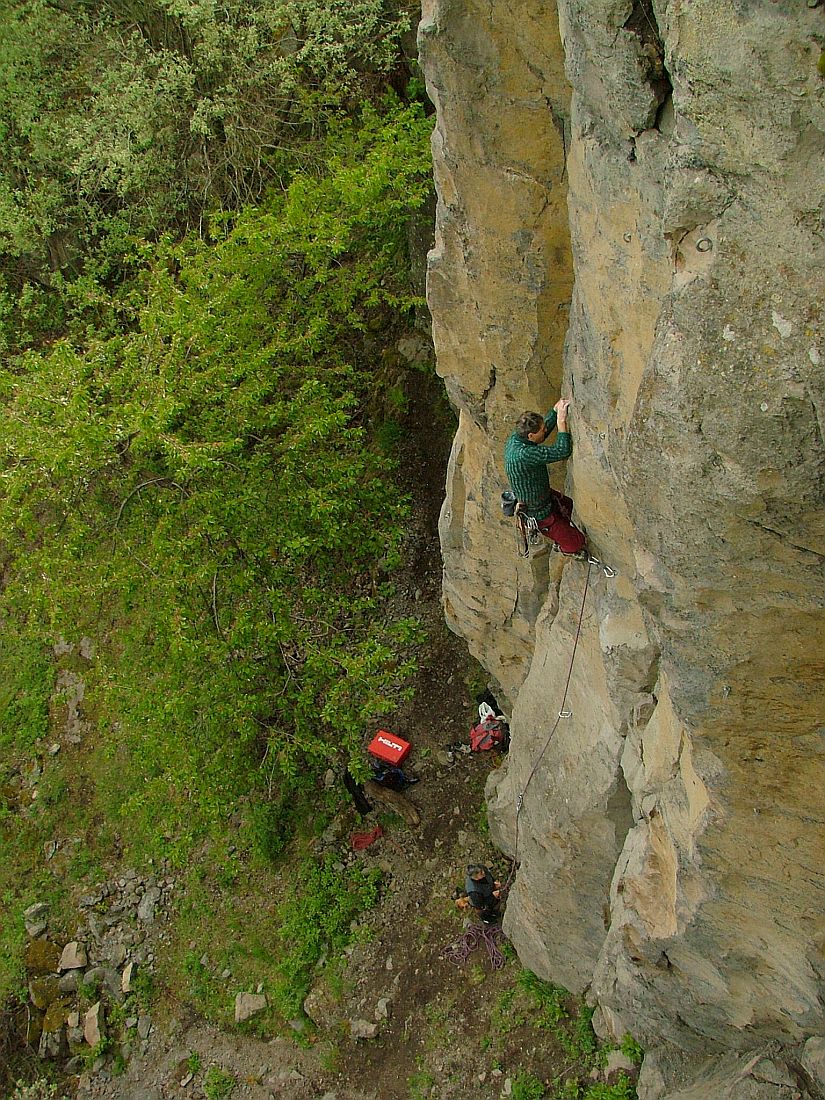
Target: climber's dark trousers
(559, 528)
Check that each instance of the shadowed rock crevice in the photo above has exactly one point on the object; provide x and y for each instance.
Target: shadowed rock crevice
(642, 23)
(619, 809)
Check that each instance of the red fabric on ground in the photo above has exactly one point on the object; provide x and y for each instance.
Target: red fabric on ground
(363, 840)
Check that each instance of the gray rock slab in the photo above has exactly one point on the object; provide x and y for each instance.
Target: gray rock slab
(53, 1044)
(362, 1029)
(74, 956)
(35, 918)
(248, 1005)
(813, 1060)
(148, 903)
(69, 982)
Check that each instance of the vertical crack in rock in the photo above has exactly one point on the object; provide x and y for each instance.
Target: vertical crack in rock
(642, 22)
(619, 809)
(491, 385)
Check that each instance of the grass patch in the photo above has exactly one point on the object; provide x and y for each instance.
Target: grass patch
(536, 1003)
(218, 1084)
(312, 903)
(316, 917)
(526, 1086)
(26, 683)
(420, 1085)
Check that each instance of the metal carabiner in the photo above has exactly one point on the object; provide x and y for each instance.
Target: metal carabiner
(608, 571)
(565, 713)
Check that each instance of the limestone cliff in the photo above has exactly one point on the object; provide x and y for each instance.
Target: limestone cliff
(630, 213)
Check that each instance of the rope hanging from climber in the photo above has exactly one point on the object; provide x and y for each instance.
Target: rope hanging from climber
(540, 512)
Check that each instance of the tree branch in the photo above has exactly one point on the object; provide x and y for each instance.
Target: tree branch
(152, 481)
(215, 605)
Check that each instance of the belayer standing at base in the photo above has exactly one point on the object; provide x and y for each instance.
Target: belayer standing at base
(526, 458)
(481, 892)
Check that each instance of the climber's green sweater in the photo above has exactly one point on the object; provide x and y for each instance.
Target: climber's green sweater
(525, 464)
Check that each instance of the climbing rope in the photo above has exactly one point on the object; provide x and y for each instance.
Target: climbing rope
(490, 935)
(563, 713)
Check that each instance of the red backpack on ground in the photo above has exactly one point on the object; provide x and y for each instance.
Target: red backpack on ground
(492, 731)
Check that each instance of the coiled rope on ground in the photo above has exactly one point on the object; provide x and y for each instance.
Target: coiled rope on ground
(491, 935)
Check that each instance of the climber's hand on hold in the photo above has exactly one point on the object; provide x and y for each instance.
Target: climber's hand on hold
(561, 407)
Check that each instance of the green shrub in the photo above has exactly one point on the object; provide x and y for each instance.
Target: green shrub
(316, 917)
(113, 134)
(526, 1086)
(26, 683)
(549, 999)
(42, 1089)
(631, 1049)
(583, 1041)
(218, 1084)
(623, 1089)
(202, 484)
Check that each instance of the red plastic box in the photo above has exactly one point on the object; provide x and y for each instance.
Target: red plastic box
(389, 747)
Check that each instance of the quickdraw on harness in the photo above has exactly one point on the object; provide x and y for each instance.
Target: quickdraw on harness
(527, 529)
(527, 533)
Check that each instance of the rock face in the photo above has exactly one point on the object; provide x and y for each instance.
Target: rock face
(630, 213)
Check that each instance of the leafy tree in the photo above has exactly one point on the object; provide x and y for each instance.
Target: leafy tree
(202, 488)
(156, 107)
(123, 119)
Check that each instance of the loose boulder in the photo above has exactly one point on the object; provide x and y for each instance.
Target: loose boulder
(42, 957)
(248, 1005)
(93, 1029)
(74, 957)
(35, 919)
(362, 1029)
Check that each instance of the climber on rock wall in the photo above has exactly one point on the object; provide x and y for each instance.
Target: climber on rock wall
(526, 458)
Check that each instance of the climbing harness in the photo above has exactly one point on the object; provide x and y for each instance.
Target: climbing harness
(527, 533)
(490, 935)
(564, 712)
